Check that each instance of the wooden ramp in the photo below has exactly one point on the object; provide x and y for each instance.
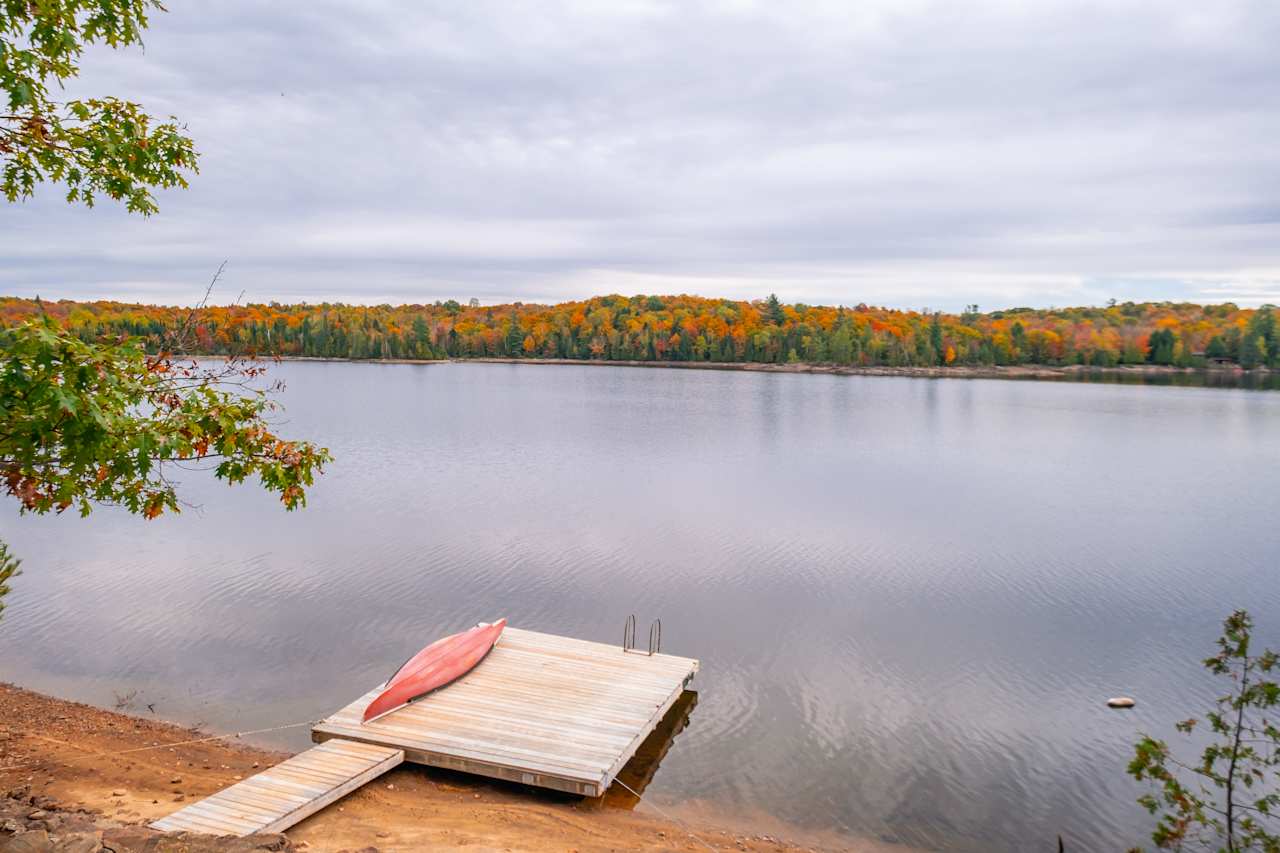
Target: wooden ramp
(540, 710)
(279, 797)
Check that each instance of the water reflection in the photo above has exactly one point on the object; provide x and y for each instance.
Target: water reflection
(1254, 380)
(636, 775)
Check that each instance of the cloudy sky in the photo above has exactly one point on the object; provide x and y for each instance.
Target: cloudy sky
(904, 152)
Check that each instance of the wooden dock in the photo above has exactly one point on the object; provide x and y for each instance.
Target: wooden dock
(540, 709)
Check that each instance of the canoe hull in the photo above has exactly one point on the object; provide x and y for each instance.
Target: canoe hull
(438, 665)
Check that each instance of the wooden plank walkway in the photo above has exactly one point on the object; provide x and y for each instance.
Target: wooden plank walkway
(280, 796)
(541, 710)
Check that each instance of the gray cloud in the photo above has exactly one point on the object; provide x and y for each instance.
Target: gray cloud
(906, 153)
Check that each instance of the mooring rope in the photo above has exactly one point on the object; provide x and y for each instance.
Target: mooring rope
(669, 817)
(7, 767)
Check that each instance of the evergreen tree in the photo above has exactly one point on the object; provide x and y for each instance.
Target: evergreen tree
(1018, 334)
(1263, 326)
(935, 338)
(1161, 343)
(773, 310)
(1231, 337)
(421, 343)
(515, 338)
(1253, 351)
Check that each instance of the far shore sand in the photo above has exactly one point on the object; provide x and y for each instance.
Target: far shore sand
(68, 753)
(1016, 371)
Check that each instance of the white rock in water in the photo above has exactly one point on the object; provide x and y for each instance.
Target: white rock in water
(1120, 702)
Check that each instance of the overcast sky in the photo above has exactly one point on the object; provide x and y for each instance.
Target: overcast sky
(903, 153)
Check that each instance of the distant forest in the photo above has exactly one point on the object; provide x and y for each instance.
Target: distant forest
(691, 328)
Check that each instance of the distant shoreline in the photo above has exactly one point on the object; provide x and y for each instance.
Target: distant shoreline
(965, 371)
(1018, 371)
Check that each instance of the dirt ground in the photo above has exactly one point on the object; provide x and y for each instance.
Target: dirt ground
(64, 755)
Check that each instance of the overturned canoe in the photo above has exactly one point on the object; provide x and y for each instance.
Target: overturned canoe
(444, 661)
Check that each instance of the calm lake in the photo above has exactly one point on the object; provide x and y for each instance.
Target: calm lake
(911, 598)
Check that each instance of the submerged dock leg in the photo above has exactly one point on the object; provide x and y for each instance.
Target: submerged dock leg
(280, 796)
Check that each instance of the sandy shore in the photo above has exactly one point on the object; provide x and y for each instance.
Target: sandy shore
(1017, 371)
(60, 761)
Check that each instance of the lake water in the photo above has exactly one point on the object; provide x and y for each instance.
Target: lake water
(910, 597)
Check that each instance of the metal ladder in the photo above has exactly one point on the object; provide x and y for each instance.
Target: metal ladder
(629, 637)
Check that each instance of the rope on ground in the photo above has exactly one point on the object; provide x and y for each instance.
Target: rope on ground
(7, 767)
(669, 817)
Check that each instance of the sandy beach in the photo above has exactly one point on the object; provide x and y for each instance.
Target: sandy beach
(65, 767)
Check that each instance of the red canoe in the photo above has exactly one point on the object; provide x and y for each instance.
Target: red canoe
(440, 663)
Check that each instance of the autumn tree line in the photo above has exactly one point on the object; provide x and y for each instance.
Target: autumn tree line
(692, 328)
